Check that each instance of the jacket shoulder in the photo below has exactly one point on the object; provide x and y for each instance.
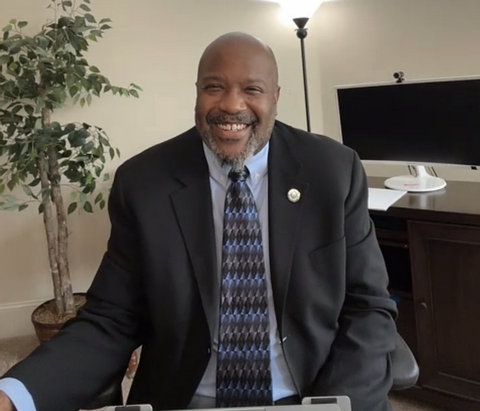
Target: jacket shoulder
(165, 157)
(311, 145)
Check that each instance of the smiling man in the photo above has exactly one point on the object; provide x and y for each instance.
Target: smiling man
(237, 94)
(241, 258)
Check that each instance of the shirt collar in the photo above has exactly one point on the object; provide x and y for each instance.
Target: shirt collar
(257, 166)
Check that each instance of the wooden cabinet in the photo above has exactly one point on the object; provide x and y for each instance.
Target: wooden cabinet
(431, 246)
(446, 287)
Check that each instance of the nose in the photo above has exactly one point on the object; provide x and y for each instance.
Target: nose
(232, 101)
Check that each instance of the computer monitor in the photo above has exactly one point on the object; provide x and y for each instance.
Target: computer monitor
(420, 123)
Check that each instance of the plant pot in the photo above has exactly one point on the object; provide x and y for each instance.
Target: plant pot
(45, 320)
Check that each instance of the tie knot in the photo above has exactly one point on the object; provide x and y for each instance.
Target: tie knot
(238, 175)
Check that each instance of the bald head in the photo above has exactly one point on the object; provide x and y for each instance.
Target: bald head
(241, 43)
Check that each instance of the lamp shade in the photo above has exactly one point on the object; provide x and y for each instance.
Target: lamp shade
(300, 8)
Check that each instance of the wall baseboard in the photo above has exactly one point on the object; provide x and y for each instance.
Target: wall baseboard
(15, 318)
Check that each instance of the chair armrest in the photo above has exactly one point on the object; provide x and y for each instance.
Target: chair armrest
(405, 369)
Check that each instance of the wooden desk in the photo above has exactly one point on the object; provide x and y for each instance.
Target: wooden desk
(431, 245)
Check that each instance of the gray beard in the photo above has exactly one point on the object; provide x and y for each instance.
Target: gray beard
(237, 163)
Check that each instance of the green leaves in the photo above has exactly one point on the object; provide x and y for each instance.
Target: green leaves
(9, 202)
(72, 207)
(40, 74)
(77, 138)
(76, 150)
(84, 7)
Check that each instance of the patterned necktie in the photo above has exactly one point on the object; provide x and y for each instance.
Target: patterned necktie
(243, 364)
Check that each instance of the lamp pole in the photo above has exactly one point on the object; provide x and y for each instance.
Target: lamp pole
(301, 34)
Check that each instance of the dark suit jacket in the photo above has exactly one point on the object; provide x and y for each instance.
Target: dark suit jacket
(157, 284)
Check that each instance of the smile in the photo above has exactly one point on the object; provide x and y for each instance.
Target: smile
(232, 127)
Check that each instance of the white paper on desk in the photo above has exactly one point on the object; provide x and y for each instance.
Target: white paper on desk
(382, 198)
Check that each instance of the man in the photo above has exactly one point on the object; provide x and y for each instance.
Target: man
(330, 317)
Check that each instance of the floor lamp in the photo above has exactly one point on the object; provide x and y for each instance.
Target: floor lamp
(301, 34)
(300, 11)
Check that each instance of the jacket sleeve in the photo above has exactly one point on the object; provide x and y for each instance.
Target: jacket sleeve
(94, 348)
(359, 361)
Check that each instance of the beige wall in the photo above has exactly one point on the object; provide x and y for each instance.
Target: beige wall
(156, 43)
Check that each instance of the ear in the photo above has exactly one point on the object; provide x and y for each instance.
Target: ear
(277, 94)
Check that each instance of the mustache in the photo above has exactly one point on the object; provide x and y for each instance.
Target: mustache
(240, 118)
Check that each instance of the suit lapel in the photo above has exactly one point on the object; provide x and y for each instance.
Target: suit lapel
(284, 215)
(193, 207)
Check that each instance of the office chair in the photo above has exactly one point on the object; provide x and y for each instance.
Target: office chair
(405, 374)
(405, 369)
(113, 393)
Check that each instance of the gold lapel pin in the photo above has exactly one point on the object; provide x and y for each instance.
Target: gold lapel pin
(294, 195)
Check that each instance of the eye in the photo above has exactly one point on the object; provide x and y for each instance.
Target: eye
(254, 90)
(212, 87)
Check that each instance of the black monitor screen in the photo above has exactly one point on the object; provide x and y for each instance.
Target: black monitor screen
(424, 122)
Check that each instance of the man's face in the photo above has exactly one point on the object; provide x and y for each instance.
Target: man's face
(236, 104)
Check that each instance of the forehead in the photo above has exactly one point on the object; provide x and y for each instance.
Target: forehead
(238, 60)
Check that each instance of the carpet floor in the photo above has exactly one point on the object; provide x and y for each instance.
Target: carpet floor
(14, 349)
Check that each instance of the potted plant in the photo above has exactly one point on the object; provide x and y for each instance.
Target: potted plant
(41, 160)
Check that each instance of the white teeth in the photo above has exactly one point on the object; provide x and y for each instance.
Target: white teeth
(232, 127)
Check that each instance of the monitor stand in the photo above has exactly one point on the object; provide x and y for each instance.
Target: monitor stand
(422, 181)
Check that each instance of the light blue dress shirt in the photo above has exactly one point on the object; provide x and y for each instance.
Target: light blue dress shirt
(18, 394)
(282, 383)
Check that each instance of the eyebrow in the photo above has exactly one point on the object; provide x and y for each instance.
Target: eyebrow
(210, 78)
(221, 78)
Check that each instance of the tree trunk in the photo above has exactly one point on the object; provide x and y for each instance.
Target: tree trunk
(62, 235)
(55, 227)
(49, 223)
